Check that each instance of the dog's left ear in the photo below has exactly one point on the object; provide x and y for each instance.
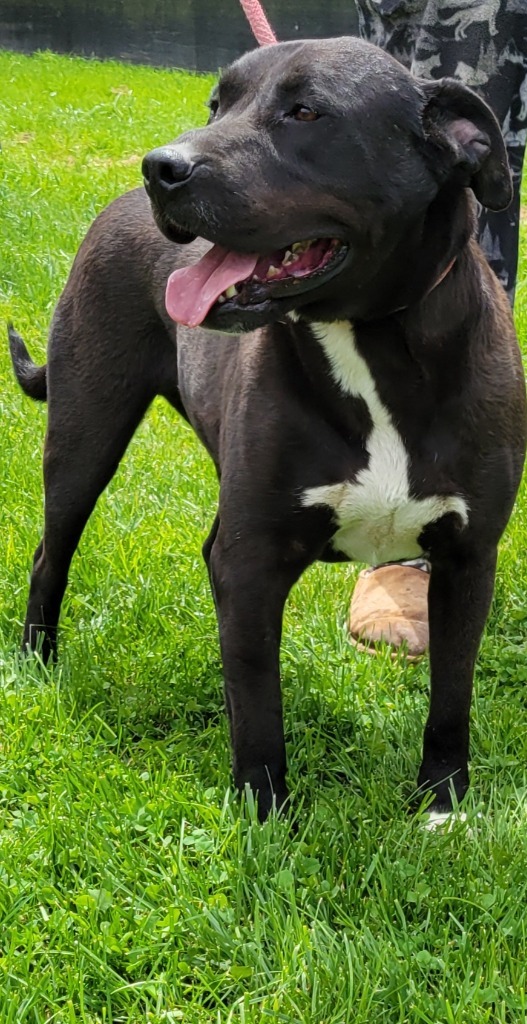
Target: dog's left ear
(456, 117)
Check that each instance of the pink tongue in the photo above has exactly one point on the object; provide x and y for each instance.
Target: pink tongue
(192, 291)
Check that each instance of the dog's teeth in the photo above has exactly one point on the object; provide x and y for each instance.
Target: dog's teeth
(221, 299)
(300, 247)
(230, 292)
(288, 258)
(273, 271)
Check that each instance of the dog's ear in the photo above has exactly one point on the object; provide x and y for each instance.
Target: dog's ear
(456, 117)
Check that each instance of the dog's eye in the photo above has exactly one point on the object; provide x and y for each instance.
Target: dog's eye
(301, 113)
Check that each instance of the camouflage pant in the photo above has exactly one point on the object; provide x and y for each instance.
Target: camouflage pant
(483, 43)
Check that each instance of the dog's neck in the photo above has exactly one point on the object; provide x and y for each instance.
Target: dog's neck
(421, 258)
(400, 346)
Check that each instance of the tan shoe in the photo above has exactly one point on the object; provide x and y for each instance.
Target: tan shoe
(390, 604)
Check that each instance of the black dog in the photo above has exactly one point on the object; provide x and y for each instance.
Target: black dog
(375, 411)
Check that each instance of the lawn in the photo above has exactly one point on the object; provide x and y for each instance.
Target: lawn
(132, 887)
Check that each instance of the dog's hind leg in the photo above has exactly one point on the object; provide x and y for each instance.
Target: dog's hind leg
(91, 420)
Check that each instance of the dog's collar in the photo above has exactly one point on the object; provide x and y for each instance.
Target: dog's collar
(443, 274)
(436, 283)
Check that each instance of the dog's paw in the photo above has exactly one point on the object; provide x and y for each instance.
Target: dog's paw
(264, 796)
(444, 786)
(442, 821)
(446, 821)
(42, 641)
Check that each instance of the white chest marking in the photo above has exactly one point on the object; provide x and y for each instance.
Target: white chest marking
(377, 519)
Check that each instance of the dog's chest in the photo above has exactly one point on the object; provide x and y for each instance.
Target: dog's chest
(377, 518)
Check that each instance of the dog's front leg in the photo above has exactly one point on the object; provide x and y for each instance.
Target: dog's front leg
(250, 584)
(460, 593)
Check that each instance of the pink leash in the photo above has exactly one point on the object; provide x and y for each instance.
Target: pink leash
(257, 19)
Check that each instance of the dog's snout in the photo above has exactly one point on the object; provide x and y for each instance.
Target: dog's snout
(167, 168)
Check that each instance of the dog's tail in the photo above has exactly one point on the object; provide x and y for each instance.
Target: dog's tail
(32, 378)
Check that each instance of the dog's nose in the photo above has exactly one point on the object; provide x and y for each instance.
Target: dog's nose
(167, 168)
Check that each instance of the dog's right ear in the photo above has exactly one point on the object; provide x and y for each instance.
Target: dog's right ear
(461, 125)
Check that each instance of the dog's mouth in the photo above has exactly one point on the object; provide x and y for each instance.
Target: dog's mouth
(227, 281)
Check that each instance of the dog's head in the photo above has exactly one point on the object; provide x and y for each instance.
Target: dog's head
(314, 180)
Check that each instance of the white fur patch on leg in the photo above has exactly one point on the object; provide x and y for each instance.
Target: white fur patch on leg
(445, 821)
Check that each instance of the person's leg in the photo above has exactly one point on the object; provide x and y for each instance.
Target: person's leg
(485, 47)
(506, 92)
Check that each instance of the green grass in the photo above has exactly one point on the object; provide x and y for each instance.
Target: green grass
(131, 887)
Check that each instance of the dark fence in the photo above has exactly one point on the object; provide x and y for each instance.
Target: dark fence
(202, 35)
